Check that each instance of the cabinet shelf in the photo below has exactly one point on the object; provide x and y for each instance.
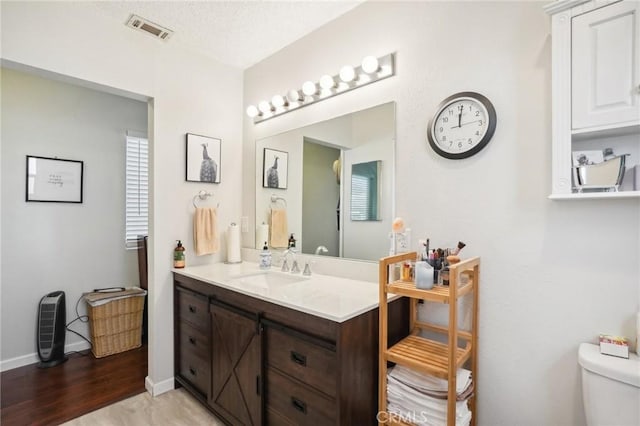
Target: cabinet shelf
(595, 195)
(412, 352)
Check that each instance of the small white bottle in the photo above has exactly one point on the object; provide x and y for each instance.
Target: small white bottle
(265, 257)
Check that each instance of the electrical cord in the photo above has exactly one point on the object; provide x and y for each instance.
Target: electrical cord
(81, 318)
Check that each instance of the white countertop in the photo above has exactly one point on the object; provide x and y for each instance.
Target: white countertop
(334, 298)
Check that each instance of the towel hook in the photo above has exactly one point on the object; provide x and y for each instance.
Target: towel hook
(203, 195)
(275, 198)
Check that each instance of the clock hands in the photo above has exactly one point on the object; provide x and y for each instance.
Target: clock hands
(464, 124)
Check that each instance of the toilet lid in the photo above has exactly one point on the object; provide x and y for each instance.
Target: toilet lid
(620, 369)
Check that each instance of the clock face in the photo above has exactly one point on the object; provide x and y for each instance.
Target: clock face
(463, 125)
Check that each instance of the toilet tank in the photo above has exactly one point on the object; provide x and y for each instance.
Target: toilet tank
(610, 387)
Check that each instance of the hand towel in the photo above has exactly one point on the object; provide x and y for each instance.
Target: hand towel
(279, 232)
(205, 231)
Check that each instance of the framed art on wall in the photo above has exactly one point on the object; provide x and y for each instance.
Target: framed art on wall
(203, 159)
(274, 169)
(54, 180)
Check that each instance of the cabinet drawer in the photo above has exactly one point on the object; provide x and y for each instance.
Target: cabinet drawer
(293, 403)
(195, 370)
(193, 340)
(304, 360)
(193, 307)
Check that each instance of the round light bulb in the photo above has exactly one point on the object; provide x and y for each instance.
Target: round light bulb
(294, 95)
(252, 111)
(327, 82)
(370, 64)
(347, 74)
(278, 101)
(309, 88)
(264, 106)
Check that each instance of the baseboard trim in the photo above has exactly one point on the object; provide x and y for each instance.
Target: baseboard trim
(159, 388)
(21, 361)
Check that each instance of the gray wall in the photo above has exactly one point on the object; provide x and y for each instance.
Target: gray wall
(60, 246)
(321, 193)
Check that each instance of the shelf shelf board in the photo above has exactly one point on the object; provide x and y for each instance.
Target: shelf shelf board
(426, 356)
(440, 294)
(595, 195)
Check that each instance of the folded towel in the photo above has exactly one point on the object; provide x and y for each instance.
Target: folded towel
(279, 232)
(205, 231)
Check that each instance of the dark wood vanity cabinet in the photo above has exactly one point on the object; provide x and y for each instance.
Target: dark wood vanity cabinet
(277, 366)
(236, 364)
(192, 341)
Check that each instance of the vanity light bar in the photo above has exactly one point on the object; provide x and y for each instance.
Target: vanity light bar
(372, 69)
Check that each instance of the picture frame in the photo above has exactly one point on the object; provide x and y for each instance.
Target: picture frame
(203, 159)
(53, 180)
(275, 169)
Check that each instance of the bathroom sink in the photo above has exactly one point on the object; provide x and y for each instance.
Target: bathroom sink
(267, 280)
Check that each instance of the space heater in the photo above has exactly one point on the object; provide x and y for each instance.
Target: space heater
(52, 319)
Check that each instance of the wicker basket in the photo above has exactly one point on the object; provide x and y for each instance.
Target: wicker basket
(116, 326)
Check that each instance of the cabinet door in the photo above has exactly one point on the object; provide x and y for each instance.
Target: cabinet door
(604, 66)
(236, 364)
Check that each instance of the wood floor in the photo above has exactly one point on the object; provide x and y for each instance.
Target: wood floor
(34, 396)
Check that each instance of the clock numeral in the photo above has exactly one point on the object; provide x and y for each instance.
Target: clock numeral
(450, 144)
(477, 113)
(459, 144)
(450, 112)
(444, 139)
(441, 129)
(478, 133)
(470, 141)
(445, 119)
(479, 122)
(460, 108)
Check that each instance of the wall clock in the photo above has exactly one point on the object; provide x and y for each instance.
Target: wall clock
(463, 124)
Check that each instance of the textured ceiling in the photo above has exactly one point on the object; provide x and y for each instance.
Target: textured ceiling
(237, 33)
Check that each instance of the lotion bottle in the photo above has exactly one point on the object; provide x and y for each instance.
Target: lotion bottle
(178, 256)
(265, 257)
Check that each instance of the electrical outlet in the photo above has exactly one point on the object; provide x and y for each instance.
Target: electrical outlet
(244, 224)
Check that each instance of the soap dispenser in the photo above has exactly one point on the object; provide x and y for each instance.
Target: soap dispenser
(265, 257)
(292, 242)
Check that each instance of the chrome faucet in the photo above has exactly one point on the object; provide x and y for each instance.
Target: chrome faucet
(321, 249)
(294, 263)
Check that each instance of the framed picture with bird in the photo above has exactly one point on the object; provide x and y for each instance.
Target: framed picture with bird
(203, 159)
(275, 169)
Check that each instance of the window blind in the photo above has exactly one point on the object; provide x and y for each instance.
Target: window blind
(137, 190)
(360, 205)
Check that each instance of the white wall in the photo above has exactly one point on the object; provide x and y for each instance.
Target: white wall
(554, 274)
(59, 246)
(373, 131)
(189, 93)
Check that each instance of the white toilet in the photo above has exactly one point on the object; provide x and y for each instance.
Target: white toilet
(610, 387)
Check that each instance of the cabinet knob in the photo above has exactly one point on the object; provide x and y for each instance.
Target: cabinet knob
(192, 309)
(298, 358)
(299, 405)
(192, 340)
(192, 371)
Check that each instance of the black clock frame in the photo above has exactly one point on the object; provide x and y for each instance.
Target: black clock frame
(491, 112)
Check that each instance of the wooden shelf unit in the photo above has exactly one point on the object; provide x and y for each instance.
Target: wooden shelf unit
(426, 355)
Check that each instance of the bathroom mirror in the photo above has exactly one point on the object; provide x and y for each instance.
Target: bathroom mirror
(321, 195)
(365, 190)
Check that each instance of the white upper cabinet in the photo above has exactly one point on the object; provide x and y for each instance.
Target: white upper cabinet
(605, 69)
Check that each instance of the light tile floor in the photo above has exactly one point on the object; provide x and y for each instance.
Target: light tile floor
(175, 407)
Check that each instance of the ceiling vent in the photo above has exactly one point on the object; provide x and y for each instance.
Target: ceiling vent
(149, 27)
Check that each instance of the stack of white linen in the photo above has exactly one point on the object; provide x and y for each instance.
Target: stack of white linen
(421, 399)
